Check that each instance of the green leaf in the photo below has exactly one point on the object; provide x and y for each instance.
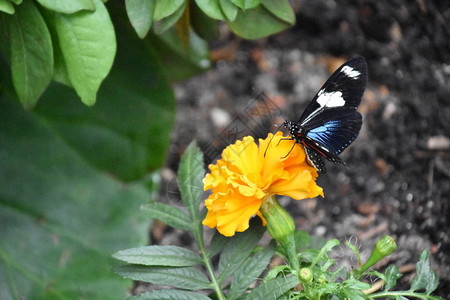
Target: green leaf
(246, 4)
(6, 6)
(325, 249)
(218, 242)
(60, 72)
(169, 215)
(273, 288)
(190, 178)
(392, 273)
(249, 271)
(206, 27)
(170, 295)
(164, 24)
(256, 23)
(65, 207)
(59, 68)
(308, 255)
(179, 62)
(353, 283)
(183, 278)
(140, 13)
(212, 9)
(425, 278)
(173, 256)
(302, 239)
(275, 271)
(31, 53)
(164, 8)
(377, 274)
(354, 294)
(60, 217)
(88, 46)
(238, 249)
(229, 9)
(281, 9)
(126, 134)
(67, 6)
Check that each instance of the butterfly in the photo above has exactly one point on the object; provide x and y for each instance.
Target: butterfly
(330, 123)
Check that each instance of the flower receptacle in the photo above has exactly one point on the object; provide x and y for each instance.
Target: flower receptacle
(281, 227)
(280, 224)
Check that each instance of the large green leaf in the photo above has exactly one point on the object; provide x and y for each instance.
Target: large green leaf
(190, 178)
(237, 250)
(211, 8)
(88, 46)
(31, 53)
(249, 270)
(179, 62)
(257, 23)
(165, 8)
(61, 218)
(281, 9)
(65, 204)
(167, 294)
(206, 27)
(183, 278)
(246, 4)
(229, 9)
(127, 132)
(140, 13)
(155, 255)
(162, 25)
(170, 215)
(6, 6)
(67, 6)
(273, 288)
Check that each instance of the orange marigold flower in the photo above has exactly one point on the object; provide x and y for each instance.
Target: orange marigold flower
(244, 177)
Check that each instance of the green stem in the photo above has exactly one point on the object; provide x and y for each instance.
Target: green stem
(198, 236)
(209, 268)
(402, 293)
(291, 252)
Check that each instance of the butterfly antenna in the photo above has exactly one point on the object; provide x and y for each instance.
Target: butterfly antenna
(270, 140)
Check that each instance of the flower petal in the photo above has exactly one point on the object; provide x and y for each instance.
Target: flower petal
(247, 174)
(230, 212)
(299, 185)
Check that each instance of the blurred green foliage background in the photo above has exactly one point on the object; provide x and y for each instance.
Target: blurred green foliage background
(86, 111)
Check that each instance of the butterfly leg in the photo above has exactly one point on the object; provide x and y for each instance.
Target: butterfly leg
(289, 151)
(284, 139)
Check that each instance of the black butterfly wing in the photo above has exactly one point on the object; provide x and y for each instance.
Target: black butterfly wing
(335, 129)
(343, 89)
(331, 122)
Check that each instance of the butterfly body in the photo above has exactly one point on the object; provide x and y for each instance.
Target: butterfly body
(331, 122)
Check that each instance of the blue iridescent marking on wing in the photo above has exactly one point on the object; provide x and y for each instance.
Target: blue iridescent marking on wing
(324, 134)
(335, 135)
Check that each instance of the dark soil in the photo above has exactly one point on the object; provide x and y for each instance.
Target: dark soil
(398, 182)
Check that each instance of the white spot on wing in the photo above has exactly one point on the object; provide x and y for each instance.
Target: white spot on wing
(350, 72)
(332, 99)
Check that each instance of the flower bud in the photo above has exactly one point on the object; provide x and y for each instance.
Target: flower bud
(384, 247)
(280, 224)
(281, 227)
(305, 275)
